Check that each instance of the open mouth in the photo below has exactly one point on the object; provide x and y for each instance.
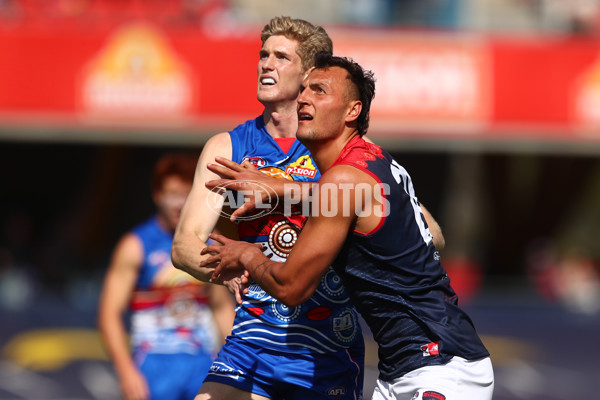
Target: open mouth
(267, 81)
(304, 116)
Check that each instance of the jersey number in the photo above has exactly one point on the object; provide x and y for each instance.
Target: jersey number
(401, 176)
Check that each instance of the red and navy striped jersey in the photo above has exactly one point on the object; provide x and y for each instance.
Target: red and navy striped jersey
(395, 277)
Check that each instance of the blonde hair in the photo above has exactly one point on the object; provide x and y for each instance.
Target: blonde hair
(311, 39)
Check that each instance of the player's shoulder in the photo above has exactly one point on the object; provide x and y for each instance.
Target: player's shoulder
(129, 249)
(219, 139)
(342, 173)
(218, 145)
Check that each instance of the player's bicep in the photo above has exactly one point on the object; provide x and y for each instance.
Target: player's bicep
(202, 208)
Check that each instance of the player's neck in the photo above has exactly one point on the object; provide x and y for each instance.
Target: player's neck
(326, 152)
(281, 122)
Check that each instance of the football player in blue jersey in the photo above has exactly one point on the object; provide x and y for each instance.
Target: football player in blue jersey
(366, 221)
(177, 322)
(315, 349)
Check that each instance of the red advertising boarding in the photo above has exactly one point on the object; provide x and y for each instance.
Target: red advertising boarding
(144, 75)
(424, 82)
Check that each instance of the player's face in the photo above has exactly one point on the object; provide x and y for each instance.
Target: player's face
(171, 198)
(322, 104)
(279, 71)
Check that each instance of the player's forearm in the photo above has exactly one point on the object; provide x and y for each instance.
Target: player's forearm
(185, 255)
(270, 276)
(116, 341)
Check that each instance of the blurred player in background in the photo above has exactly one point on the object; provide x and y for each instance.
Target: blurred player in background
(177, 323)
(314, 350)
(369, 225)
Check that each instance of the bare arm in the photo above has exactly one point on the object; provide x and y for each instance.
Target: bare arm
(264, 188)
(201, 212)
(294, 281)
(118, 286)
(244, 177)
(434, 228)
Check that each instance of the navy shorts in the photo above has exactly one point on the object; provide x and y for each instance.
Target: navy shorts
(290, 376)
(175, 376)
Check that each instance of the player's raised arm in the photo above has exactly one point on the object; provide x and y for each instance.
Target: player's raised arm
(264, 188)
(294, 281)
(201, 211)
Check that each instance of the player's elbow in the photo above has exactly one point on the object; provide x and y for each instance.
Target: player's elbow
(177, 254)
(293, 296)
(181, 241)
(290, 301)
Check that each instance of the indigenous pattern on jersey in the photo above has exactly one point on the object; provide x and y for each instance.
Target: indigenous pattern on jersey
(170, 309)
(326, 322)
(395, 277)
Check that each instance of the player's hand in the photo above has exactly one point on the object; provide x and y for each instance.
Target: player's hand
(236, 281)
(260, 190)
(134, 385)
(224, 258)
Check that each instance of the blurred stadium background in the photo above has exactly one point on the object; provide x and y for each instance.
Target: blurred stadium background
(493, 106)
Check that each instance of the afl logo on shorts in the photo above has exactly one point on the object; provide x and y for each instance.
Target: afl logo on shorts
(282, 238)
(336, 392)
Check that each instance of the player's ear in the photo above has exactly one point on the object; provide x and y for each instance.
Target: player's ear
(354, 111)
(307, 73)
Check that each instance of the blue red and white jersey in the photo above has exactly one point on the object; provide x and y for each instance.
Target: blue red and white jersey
(327, 322)
(395, 277)
(170, 309)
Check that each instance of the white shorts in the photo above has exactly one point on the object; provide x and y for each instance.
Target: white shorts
(459, 379)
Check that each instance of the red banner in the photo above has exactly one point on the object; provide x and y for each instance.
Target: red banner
(142, 75)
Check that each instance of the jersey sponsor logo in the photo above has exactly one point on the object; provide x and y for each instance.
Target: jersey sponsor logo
(429, 395)
(258, 162)
(303, 167)
(336, 392)
(430, 349)
(276, 172)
